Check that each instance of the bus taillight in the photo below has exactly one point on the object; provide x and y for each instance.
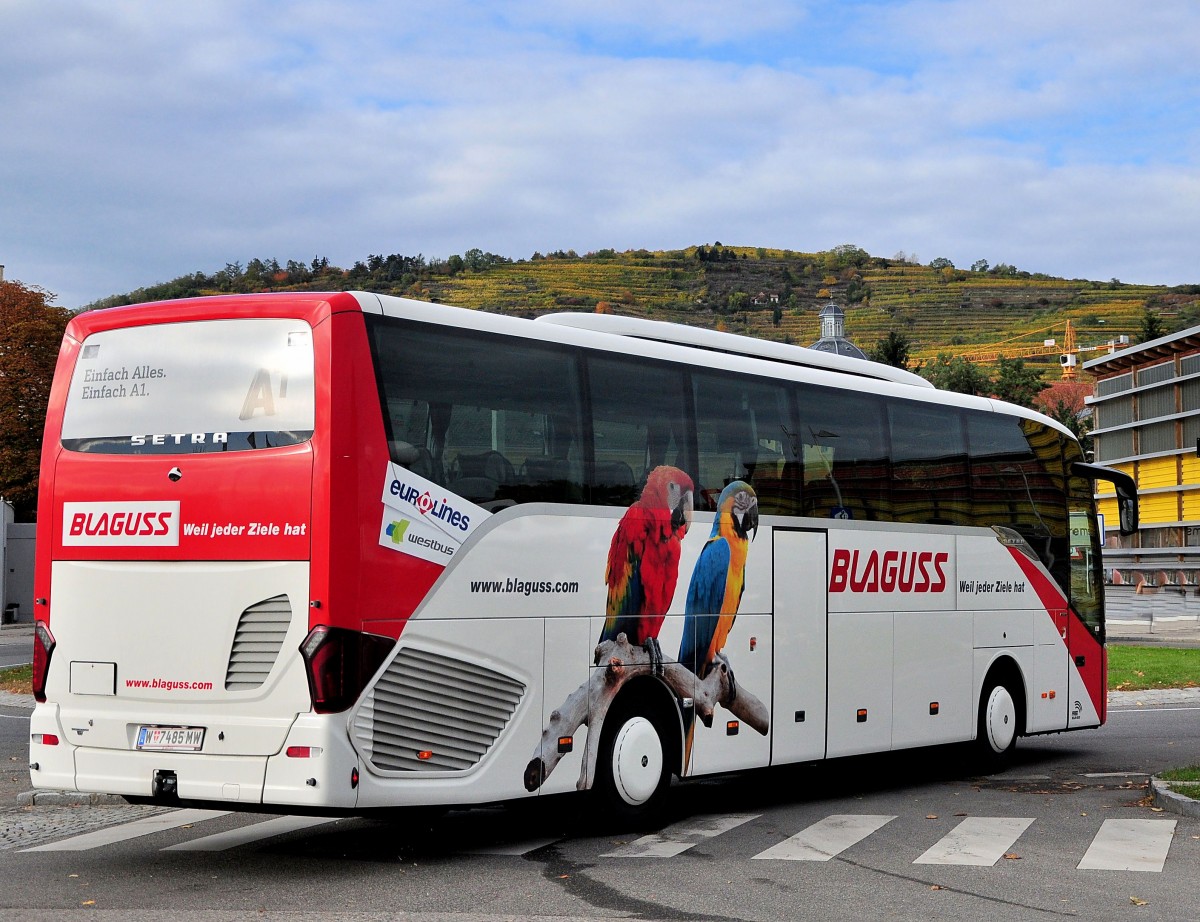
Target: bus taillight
(339, 663)
(43, 646)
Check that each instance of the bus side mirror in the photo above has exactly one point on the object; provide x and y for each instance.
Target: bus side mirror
(1127, 498)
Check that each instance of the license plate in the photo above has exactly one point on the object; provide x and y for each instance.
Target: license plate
(178, 739)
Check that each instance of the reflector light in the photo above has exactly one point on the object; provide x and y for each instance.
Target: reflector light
(1052, 694)
(425, 755)
(566, 743)
(934, 707)
(354, 777)
(45, 739)
(302, 752)
(862, 715)
(731, 728)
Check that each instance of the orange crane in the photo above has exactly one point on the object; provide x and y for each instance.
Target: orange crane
(1068, 353)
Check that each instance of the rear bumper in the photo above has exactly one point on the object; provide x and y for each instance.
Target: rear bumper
(325, 778)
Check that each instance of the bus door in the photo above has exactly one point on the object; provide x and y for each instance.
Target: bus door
(801, 629)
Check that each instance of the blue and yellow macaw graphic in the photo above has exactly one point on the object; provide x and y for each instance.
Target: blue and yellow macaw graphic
(718, 580)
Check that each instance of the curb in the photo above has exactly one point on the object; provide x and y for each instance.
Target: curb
(69, 799)
(1167, 799)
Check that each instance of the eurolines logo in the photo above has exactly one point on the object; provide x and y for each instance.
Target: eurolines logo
(428, 507)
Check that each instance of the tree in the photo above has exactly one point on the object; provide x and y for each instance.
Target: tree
(31, 329)
(1066, 402)
(940, 263)
(1152, 326)
(980, 265)
(894, 349)
(1016, 383)
(956, 374)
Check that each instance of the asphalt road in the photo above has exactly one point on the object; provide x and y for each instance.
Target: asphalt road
(717, 858)
(15, 654)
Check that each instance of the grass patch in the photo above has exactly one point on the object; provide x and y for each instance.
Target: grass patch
(1142, 668)
(1185, 781)
(1182, 774)
(17, 679)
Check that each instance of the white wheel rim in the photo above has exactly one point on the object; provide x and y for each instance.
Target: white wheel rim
(637, 761)
(1001, 721)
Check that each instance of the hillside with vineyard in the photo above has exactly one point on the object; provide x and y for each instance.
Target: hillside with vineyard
(773, 294)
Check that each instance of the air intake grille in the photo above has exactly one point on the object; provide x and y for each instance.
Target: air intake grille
(256, 643)
(430, 712)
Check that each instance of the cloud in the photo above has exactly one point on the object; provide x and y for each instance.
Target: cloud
(152, 140)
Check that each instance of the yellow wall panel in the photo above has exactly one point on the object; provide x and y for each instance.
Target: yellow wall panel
(1159, 507)
(1157, 472)
(1191, 469)
(1191, 506)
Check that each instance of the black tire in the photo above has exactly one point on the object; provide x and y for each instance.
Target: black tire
(633, 769)
(999, 723)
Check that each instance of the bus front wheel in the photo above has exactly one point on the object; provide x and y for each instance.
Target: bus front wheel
(997, 735)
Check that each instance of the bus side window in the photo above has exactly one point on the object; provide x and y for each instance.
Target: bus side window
(742, 433)
(929, 465)
(844, 455)
(495, 421)
(639, 422)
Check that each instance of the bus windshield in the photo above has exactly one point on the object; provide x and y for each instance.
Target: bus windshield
(211, 386)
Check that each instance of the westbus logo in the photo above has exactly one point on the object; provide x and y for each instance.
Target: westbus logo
(887, 571)
(426, 505)
(130, 524)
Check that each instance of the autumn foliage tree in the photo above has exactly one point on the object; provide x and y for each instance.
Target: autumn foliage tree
(31, 330)
(1066, 401)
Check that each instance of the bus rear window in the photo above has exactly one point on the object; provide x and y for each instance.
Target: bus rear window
(185, 388)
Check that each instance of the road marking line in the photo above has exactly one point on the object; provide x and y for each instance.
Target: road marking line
(828, 838)
(1117, 775)
(1129, 845)
(677, 839)
(255, 832)
(143, 827)
(978, 841)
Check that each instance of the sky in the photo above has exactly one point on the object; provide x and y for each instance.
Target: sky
(142, 141)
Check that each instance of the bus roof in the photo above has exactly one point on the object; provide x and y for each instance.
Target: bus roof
(716, 341)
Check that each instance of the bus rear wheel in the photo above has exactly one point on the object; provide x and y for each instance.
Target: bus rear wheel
(997, 733)
(633, 772)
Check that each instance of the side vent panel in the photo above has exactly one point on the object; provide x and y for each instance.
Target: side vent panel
(256, 643)
(430, 712)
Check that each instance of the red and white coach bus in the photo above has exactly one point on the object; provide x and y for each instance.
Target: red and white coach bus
(346, 551)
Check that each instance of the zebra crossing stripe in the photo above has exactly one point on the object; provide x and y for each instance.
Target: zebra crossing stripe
(827, 838)
(979, 841)
(1129, 845)
(679, 838)
(143, 827)
(255, 832)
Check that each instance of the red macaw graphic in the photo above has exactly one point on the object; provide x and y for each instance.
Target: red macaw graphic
(643, 560)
